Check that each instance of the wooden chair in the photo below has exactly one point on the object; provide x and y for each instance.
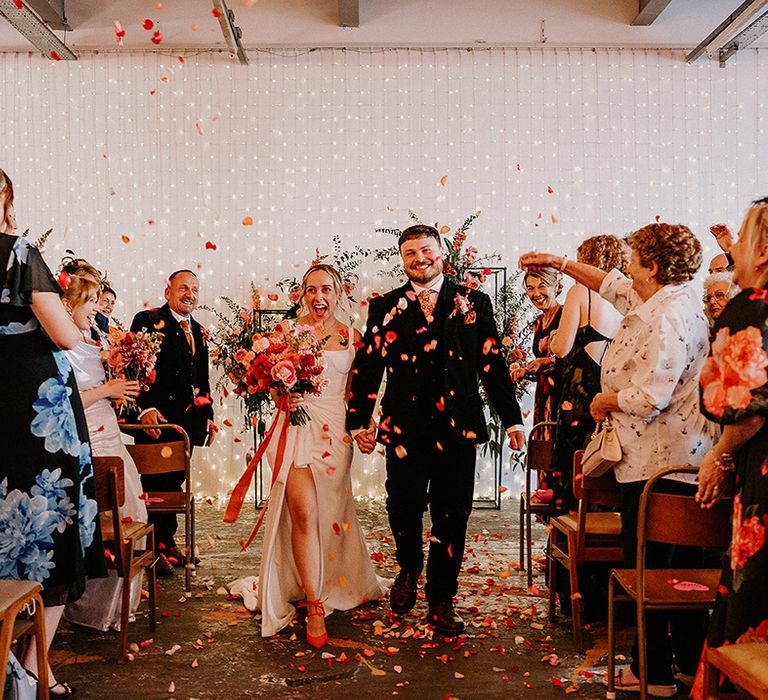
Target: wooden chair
(584, 537)
(745, 664)
(16, 596)
(670, 519)
(161, 458)
(121, 539)
(538, 458)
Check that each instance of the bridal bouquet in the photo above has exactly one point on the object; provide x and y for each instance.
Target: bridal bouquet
(260, 361)
(131, 356)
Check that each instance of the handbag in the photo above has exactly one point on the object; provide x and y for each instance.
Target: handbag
(19, 685)
(602, 451)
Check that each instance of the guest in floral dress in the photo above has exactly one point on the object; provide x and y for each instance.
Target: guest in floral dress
(734, 386)
(48, 525)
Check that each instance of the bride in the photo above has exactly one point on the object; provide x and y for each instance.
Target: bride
(314, 550)
(99, 606)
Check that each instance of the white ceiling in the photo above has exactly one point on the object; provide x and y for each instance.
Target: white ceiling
(413, 23)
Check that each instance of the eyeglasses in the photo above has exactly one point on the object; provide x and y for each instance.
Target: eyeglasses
(717, 296)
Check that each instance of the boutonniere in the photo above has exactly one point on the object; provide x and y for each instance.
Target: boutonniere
(463, 306)
(204, 334)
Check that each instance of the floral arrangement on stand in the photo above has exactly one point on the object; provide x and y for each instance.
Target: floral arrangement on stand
(261, 359)
(131, 355)
(465, 266)
(344, 261)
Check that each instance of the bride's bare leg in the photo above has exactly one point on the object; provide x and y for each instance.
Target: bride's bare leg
(52, 618)
(301, 497)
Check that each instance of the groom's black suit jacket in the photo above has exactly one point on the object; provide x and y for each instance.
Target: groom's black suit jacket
(181, 376)
(432, 369)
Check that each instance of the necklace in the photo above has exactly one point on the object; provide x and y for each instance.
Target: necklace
(548, 315)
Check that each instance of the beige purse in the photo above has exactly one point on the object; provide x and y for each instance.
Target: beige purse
(602, 452)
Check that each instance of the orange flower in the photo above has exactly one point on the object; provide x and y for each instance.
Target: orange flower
(747, 541)
(736, 367)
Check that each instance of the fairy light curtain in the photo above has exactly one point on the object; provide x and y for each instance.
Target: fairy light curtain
(145, 162)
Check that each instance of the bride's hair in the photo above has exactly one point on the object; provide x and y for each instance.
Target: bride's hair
(79, 290)
(338, 285)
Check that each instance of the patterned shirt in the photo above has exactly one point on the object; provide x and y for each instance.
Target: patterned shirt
(654, 364)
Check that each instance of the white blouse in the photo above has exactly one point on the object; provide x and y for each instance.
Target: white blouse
(654, 364)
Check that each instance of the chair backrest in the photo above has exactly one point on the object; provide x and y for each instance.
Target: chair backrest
(678, 519)
(107, 470)
(538, 456)
(109, 484)
(160, 457)
(594, 491)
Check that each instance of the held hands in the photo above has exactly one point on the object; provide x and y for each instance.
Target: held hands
(211, 430)
(122, 389)
(366, 439)
(152, 417)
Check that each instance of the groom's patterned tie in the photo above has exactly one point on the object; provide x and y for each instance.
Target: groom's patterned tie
(188, 333)
(427, 305)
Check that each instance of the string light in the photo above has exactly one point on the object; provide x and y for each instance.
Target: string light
(311, 144)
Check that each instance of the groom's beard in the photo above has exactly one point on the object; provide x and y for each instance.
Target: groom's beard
(424, 275)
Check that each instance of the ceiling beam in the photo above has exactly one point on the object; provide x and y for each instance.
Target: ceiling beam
(744, 38)
(729, 28)
(34, 30)
(51, 12)
(648, 12)
(349, 13)
(232, 33)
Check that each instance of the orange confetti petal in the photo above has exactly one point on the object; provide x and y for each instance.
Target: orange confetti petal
(125, 239)
(247, 221)
(443, 180)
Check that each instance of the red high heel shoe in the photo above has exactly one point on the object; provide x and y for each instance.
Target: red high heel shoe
(320, 640)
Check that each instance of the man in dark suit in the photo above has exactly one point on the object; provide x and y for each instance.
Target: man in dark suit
(180, 394)
(433, 339)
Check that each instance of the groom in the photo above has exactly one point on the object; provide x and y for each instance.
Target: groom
(434, 340)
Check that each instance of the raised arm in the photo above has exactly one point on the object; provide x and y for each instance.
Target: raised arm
(590, 277)
(55, 320)
(561, 341)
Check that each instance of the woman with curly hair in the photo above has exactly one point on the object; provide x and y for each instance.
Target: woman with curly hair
(649, 381)
(587, 324)
(735, 394)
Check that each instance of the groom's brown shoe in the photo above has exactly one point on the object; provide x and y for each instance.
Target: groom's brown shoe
(402, 597)
(444, 618)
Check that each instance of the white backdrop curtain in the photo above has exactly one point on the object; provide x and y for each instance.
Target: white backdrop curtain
(137, 160)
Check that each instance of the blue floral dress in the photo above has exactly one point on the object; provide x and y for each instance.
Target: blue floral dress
(48, 517)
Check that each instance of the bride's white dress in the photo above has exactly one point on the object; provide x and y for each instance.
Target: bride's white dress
(99, 607)
(347, 576)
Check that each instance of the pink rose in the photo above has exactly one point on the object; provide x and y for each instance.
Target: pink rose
(285, 373)
(736, 367)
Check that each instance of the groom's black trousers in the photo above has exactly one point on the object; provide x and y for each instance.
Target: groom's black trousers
(442, 480)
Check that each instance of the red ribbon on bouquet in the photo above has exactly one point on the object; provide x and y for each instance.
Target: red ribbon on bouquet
(241, 488)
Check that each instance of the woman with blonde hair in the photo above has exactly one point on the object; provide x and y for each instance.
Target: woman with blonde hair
(99, 606)
(314, 550)
(734, 387)
(543, 286)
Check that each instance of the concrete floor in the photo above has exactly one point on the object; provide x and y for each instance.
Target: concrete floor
(509, 650)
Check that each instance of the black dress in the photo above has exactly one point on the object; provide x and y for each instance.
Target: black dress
(549, 379)
(735, 387)
(580, 383)
(49, 529)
